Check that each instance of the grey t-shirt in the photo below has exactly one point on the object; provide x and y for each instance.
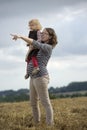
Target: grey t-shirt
(43, 56)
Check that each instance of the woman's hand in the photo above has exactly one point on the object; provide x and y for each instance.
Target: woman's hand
(15, 37)
(26, 39)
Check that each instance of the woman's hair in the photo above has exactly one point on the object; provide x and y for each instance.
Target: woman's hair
(37, 23)
(53, 40)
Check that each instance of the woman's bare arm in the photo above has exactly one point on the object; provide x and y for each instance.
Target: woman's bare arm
(26, 39)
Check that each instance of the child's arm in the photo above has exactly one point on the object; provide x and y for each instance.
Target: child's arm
(38, 36)
(31, 47)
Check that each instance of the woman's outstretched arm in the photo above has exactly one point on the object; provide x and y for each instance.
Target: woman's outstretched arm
(26, 39)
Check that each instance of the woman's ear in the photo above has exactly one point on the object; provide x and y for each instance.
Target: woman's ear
(50, 37)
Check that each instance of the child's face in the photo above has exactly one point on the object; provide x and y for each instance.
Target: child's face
(32, 26)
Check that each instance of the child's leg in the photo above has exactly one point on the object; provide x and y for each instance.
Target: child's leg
(35, 64)
(34, 61)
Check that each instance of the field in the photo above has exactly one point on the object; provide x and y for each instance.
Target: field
(69, 114)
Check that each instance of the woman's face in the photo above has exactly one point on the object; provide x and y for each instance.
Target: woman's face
(45, 36)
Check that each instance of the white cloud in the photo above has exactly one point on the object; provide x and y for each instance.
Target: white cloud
(67, 69)
(68, 18)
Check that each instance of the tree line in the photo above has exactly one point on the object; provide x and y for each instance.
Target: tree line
(74, 89)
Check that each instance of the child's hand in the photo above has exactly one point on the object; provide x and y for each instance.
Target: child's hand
(15, 37)
(31, 47)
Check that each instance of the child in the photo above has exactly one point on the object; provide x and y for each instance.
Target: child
(35, 34)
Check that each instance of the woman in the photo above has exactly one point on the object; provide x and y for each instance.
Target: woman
(39, 82)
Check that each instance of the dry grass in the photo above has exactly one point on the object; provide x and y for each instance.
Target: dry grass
(69, 114)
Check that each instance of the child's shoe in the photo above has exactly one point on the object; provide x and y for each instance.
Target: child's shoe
(35, 70)
(26, 76)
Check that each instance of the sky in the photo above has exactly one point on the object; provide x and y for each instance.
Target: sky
(69, 58)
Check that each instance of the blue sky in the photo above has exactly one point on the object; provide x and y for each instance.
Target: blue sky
(69, 59)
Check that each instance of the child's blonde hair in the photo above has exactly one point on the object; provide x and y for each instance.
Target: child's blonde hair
(37, 23)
